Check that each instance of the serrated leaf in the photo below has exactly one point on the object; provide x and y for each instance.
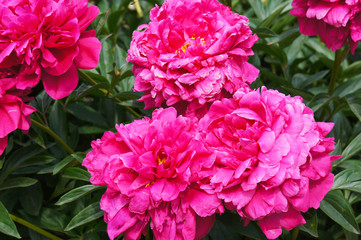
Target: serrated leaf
(77, 193)
(17, 182)
(7, 226)
(88, 214)
(339, 209)
(77, 174)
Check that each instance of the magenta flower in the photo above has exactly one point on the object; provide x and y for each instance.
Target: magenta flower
(47, 40)
(155, 170)
(14, 114)
(336, 21)
(273, 158)
(192, 52)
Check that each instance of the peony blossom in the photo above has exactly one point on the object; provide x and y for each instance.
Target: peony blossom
(336, 21)
(192, 52)
(48, 40)
(14, 114)
(155, 171)
(272, 157)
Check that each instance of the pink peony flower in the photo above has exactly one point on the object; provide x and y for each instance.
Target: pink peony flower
(193, 52)
(155, 170)
(47, 39)
(14, 114)
(273, 158)
(336, 21)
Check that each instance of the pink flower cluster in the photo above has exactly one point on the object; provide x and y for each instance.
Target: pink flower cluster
(261, 153)
(336, 21)
(42, 40)
(257, 152)
(155, 169)
(193, 52)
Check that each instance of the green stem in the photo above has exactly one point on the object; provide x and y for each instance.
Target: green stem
(138, 8)
(148, 236)
(339, 57)
(33, 227)
(295, 232)
(53, 134)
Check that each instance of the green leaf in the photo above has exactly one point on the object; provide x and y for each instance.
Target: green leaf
(271, 19)
(347, 87)
(86, 113)
(352, 70)
(18, 158)
(7, 225)
(88, 214)
(288, 37)
(348, 179)
(17, 182)
(77, 193)
(78, 156)
(127, 95)
(264, 32)
(85, 90)
(311, 223)
(57, 120)
(272, 50)
(93, 78)
(106, 58)
(319, 101)
(224, 232)
(231, 220)
(53, 219)
(339, 209)
(91, 130)
(62, 164)
(77, 173)
(351, 149)
(258, 8)
(350, 164)
(355, 106)
(31, 199)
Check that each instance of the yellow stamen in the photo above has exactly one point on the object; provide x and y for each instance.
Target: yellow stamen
(148, 184)
(161, 160)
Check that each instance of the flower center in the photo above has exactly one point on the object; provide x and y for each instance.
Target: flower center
(193, 41)
(161, 157)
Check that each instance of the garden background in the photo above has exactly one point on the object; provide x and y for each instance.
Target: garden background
(45, 192)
